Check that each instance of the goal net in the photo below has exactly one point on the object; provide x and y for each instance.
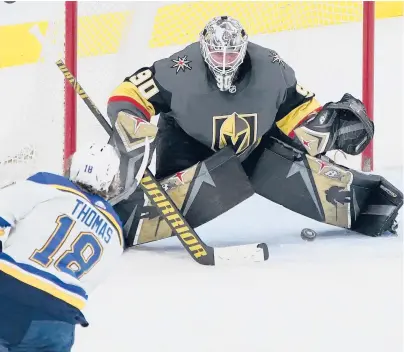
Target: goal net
(102, 42)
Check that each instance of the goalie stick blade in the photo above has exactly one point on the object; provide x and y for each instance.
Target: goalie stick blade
(243, 254)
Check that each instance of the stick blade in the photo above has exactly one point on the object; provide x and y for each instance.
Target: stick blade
(257, 252)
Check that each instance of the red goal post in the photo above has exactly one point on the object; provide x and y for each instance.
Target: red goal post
(368, 72)
(72, 39)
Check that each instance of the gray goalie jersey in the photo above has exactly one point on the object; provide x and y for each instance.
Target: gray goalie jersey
(265, 94)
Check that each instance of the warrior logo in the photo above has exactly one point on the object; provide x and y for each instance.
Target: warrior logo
(236, 130)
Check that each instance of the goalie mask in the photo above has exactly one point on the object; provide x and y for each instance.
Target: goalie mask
(223, 45)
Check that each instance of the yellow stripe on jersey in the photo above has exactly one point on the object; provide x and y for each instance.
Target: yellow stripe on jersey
(41, 284)
(71, 190)
(111, 218)
(129, 90)
(291, 120)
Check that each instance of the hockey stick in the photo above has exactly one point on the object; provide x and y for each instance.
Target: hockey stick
(202, 253)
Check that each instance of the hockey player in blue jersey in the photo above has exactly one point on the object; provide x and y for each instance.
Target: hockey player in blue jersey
(59, 237)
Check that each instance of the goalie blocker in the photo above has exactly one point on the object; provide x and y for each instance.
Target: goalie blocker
(316, 188)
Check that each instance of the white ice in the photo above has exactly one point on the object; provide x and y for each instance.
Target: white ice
(339, 293)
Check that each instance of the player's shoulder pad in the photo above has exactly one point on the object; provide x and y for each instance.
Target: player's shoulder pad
(63, 184)
(59, 183)
(181, 68)
(140, 70)
(47, 178)
(185, 55)
(180, 61)
(270, 59)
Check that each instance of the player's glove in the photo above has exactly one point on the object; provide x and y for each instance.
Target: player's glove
(343, 125)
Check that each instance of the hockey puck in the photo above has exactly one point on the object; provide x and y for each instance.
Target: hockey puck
(308, 234)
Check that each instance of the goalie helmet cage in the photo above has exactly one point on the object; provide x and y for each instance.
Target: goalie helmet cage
(79, 27)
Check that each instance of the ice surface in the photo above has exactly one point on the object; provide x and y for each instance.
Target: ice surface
(338, 293)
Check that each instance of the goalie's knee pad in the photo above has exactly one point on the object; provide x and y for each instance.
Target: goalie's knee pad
(202, 192)
(325, 191)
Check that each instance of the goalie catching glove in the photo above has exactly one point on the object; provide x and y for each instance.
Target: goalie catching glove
(343, 125)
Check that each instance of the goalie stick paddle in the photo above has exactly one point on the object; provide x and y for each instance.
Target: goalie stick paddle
(201, 252)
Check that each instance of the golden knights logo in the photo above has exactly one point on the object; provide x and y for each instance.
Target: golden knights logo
(236, 130)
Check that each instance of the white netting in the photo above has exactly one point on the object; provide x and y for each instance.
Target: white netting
(32, 97)
(13, 166)
(105, 44)
(32, 89)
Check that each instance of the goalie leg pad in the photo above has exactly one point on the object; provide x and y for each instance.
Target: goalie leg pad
(325, 191)
(202, 192)
(383, 202)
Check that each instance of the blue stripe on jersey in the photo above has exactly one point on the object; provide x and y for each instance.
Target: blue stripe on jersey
(30, 296)
(4, 223)
(47, 276)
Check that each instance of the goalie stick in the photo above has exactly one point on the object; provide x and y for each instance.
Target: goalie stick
(200, 252)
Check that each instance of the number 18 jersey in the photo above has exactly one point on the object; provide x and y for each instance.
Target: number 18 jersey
(62, 241)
